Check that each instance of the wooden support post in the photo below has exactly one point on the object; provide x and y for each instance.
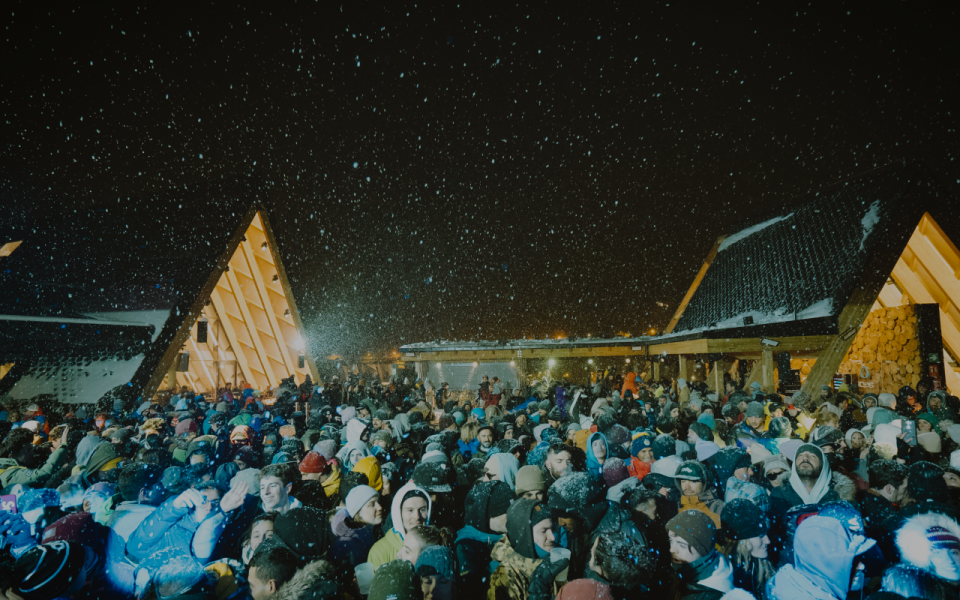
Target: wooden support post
(683, 367)
(755, 374)
(656, 371)
(717, 370)
(766, 365)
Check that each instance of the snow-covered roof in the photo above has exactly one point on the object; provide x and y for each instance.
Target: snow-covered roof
(589, 342)
(802, 263)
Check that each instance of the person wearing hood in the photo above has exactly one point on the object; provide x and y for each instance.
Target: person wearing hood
(579, 503)
(410, 508)
(745, 544)
(823, 560)
(353, 527)
(525, 547)
(931, 542)
(358, 430)
(502, 467)
(597, 453)
(704, 573)
(752, 426)
(937, 405)
(809, 481)
(692, 481)
(352, 453)
(486, 522)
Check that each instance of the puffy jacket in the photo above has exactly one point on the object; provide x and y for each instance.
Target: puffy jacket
(122, 518)
(351, 546)
(823, 560)
(13, 474)
(172, 527)
(707, 503)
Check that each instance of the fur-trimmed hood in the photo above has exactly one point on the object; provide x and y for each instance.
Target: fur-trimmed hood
(315, 581)
(844, 487)
(916, 548)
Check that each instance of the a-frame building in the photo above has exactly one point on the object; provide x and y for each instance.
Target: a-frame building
(839, 280)
(114, 297)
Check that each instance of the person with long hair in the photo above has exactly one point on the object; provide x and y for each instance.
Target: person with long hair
(745, 544)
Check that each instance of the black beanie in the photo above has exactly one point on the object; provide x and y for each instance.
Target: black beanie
(500, 498)
(47, 571)
(926, 483)
(664, 446)
(741, 519)
(703, 431)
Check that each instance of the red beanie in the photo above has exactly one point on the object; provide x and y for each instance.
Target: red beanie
(313, 462)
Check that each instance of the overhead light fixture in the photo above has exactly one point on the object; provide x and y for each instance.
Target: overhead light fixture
(628, 361)
(513, 363)
(475, 364)
(551, 362)
(767, 342)
(589, 361)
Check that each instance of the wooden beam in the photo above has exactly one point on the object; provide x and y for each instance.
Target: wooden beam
(696, 283)
(754, 375)
(686, 347)
(268, 307)
(811, 344)
(8, 248)
(936, 266)
(766, 367)
(231, 334)
(272, 379)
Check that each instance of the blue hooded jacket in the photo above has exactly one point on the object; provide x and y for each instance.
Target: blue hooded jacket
(824, 551)
(593, 465)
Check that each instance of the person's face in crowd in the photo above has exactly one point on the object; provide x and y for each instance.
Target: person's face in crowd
(365, 436)
(728, 387)
(414, 513)
(263, 530)
(543, 415)
(742, 406)
(355, 456)
(662, 401)
(946, 563)
(692, 436)
(410, 551)
(492, 471)
(646, 455)
(924, 426)
(382, 444)
(554, 424)
(744, 473)
(674, 412)
(364, 413)
(648, 508)
(240, 464)
(681, 551)
(533, 495)
(259, 589)
(755, 422)
(869, 402)
(274, 495)
(599, 449)
(559, 464)
(773, 477)
(508, 434)
(952, 479)
(485, 437)
(436, 587)
(521, 420)
(934, 402)
(808, 465)
(499, 524)
(759, 545)
(386, 487)
(310, 476)
(211, 499)
(902, 493)
(571, 435)
(691, 488)
(707, 410)
(857, 441)
(922, 390)
(824, 393)
(371, 513)
(543, 534)
(377, 424)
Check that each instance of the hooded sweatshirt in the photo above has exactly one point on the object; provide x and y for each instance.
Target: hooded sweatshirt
(386, 549)
(821, 487)
(344, 454)
(593, 465)
(355, 429)
(823, 560)
(509, 465)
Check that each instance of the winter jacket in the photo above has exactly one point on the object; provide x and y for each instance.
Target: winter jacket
(511, 580)
(172, 527)
(637, 468)
(11, 473)
(824, 551)
(473, 549)
(352, 545)
(122, 518)
(593, 464)
(709, 585)
(386, 549)
(876, 509)
(311, 582)
(707, 503)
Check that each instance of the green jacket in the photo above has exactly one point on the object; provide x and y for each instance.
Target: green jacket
(511, 580)
(13, 474)
(386, 549)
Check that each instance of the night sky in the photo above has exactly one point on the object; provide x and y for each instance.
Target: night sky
(476, 171)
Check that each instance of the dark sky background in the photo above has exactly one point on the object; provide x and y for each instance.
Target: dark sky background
(477, 171)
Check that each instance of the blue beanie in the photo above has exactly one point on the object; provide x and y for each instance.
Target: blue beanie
(708, 420)
(479, 414)
(642, 442)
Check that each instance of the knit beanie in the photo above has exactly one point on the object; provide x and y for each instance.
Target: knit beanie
(446, 420)
(529, 479)
(754, 409)
(641, 442)
(690, 470)
(313, 462)
(605, 422)
(501, 496)
(381, 415)
(780, 427)
(741, 520)
(435, 560)
(703, 432)
(614, 471)
(708, 420)
(357, 497)
(775, 462)
(47, 571)
(326, 449)
(730, 410)
(826, 435)
(696, 529)
(544, 405)
(618, 435)
(395, 581)
(186, 426)
(663, 446)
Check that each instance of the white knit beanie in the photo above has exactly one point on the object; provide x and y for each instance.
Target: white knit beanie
(357, 497)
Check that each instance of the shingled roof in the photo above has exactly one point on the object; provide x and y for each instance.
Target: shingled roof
(93, 299)
(794, 271)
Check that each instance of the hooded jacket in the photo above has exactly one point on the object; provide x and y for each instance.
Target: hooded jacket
(331, 486)
(355, 429)
(386, 549)
(916, 548)
(172, 527)
(516, 554)
(344, 454)
(630, 383)
(593, 464)
(823, 559)
(509, 465)
(795, 493)
(352, 545)
(711, 584)
(11, 473)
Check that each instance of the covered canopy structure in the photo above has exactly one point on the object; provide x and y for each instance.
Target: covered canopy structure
(113, 297)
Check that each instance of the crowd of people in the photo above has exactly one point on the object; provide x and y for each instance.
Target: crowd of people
(408, 490)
